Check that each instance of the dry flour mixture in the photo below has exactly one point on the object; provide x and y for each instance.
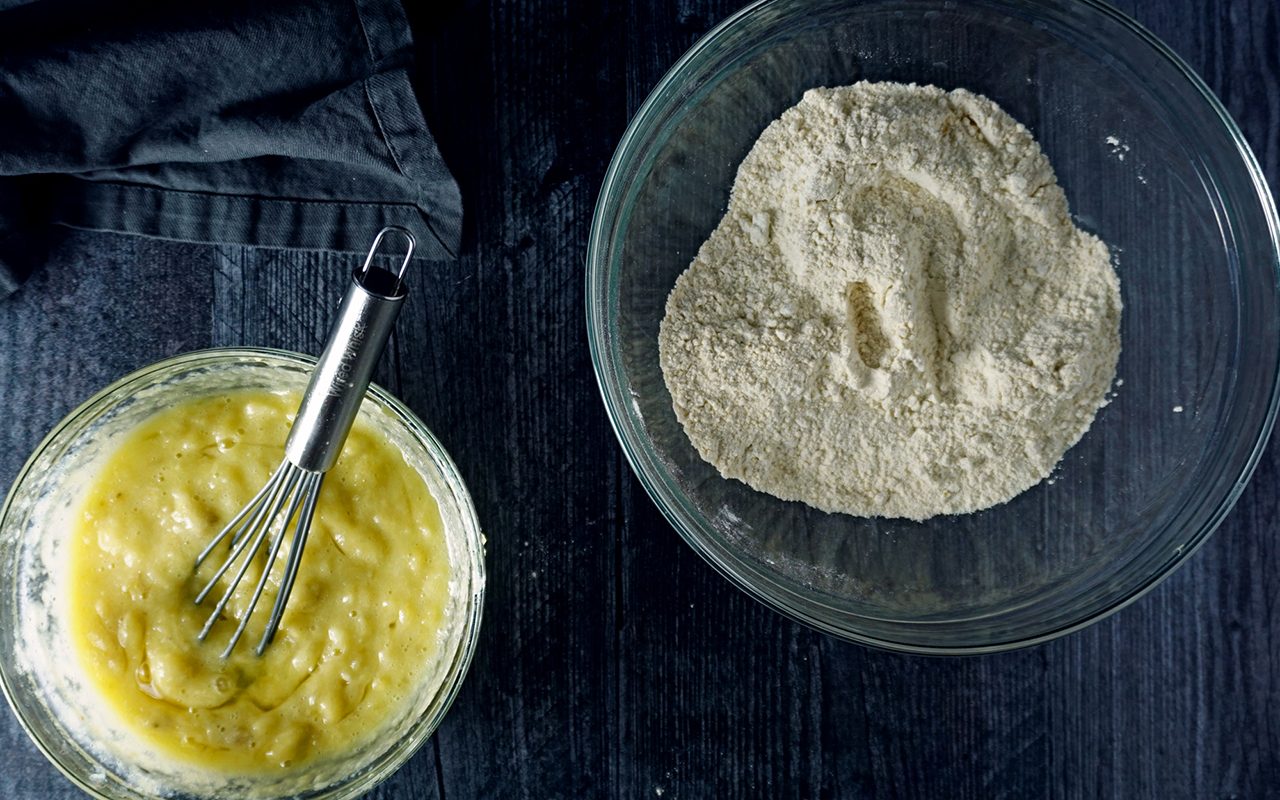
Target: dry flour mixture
(896, 316)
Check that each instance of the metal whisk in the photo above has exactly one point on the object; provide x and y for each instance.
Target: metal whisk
(329, 406)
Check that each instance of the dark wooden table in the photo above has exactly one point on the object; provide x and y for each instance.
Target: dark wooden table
(613, 662)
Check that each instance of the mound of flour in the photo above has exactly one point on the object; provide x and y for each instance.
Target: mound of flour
(896, 316)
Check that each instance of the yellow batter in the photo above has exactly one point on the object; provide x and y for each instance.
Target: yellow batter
(363, 622)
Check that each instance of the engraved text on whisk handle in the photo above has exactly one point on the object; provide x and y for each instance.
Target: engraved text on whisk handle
(346, 363)
(342, 374)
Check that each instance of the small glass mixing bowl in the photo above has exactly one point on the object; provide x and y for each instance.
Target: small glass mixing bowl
(1150, 162)
(49, 699)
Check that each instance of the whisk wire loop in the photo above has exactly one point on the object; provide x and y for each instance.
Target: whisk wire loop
(234, 524)
(277, 539)
(240, 539)
(252, 540)
(311, 491)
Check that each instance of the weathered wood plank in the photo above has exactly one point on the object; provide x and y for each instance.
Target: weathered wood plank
(523, 98)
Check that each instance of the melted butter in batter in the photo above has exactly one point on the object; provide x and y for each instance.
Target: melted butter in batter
(362, 627)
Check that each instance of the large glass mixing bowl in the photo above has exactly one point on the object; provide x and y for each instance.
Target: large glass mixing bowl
(1150, 162)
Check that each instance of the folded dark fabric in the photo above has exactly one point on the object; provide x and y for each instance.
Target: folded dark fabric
(280, 123)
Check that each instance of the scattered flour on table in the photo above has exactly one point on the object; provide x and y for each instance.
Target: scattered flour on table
(896, 316)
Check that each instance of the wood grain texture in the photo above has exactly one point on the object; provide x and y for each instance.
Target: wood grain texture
(613, 661)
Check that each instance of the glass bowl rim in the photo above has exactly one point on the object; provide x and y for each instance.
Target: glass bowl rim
(673, 503)
(423, 728)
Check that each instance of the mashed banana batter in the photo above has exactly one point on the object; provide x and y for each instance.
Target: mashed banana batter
(363, 623)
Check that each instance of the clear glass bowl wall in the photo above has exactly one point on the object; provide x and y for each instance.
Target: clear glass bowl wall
(1150, 163)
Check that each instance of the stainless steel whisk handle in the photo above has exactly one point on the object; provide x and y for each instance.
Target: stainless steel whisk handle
(332, 400)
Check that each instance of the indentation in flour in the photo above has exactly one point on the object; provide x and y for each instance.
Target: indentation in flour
(866, 336)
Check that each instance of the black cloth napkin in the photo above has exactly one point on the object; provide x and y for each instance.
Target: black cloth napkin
(279, 123)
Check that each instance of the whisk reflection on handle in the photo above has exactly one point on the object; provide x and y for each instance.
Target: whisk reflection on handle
(329, 406)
